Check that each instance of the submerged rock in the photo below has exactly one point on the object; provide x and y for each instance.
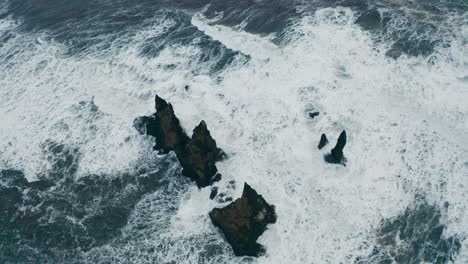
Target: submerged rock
(199, 157)
(313, 114)
(336, 155)
(165, 126)
(243, 221)
(323, 141)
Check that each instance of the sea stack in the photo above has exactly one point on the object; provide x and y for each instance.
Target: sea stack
(200, 156)
(336, 155)
(243, 221)
(197, 155)
(165, 126)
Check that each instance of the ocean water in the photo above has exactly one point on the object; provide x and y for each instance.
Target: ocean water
(78, 184)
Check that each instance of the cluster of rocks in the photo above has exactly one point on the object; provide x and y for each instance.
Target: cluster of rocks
(336, 155)
(243, 220)
(197, 155)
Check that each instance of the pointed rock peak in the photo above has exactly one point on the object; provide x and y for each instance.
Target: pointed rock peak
(202, 135)
(248, 192)
(200, 156)
(340, 144)
(160, 103)
(201, 128)
(323, 141)
(336, 155)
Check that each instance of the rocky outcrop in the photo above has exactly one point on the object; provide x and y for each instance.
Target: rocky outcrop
(323, 141)
(336, 155)
(197, 155)
(243, 221)
(165, 126)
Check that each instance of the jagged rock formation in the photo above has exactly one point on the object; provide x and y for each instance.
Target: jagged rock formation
(165, 127)
(336, 155)
(197, 155)
(323, 141)
(243, 221)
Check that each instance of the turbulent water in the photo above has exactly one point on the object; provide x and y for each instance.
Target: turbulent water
(78, 184)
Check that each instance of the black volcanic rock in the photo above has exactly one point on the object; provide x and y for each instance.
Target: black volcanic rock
(213, 193)
(313, 114)
(323, 141)
(243, 221)
(336, 155)
(165, 126)
(199, 157)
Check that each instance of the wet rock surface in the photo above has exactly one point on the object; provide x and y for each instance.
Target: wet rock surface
(336, 154)
(164, 126)
(414, 236)
(243, 221)
(197, 155)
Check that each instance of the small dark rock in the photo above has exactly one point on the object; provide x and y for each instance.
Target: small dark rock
(223, 198)
(214, 192)
(313, 114)
(323, 141)
(216, 178)
(336, 155)
(243, 221)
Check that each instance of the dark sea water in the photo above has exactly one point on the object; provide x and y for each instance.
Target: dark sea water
(79, 185)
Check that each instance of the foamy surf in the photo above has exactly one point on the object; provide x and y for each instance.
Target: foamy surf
(406, 120)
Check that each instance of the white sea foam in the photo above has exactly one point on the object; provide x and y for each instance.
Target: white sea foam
(406, 121)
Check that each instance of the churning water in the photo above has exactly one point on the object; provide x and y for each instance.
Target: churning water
(80, 185)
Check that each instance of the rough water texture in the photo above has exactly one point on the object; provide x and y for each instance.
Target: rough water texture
(415, 236)
(393, 74)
